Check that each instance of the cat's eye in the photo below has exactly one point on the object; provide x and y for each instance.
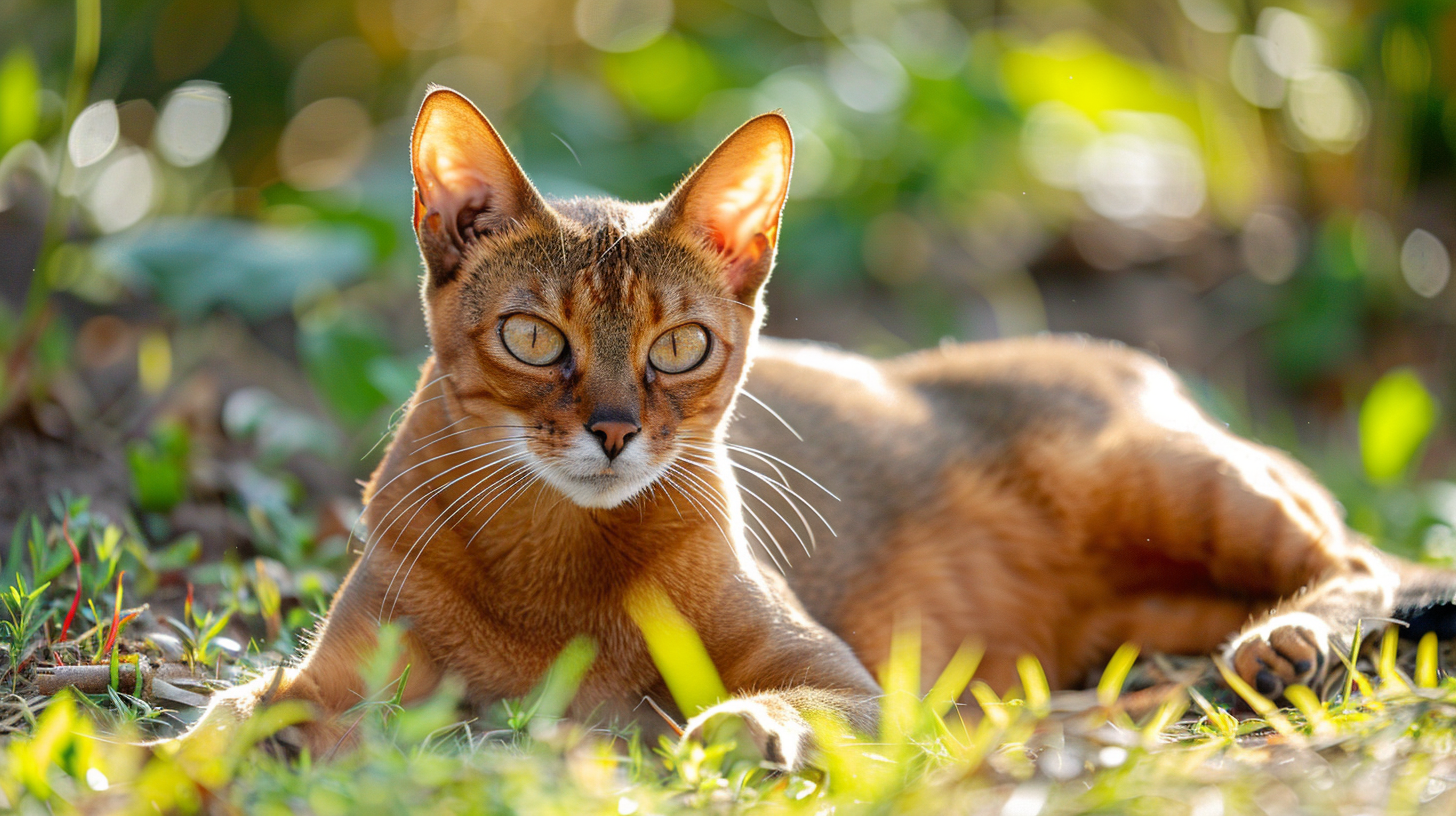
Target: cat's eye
(532, 340)
(679, 349)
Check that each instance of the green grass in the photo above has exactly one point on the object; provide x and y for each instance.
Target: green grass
(1385, 742)
(1391, 751)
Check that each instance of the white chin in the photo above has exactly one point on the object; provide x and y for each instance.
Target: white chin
(595, 492)
(586, 477)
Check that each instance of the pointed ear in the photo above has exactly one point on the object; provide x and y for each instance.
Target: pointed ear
(731, 203)
(467, 184)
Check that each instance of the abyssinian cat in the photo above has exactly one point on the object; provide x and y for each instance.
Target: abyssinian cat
(571, 445)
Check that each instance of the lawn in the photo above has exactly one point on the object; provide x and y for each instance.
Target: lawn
(1158, 734)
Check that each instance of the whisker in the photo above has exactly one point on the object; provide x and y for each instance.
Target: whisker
(781, 487)
(457, 506)
(746, 509)
(772, 412)
(760, 454)
(702, 511)
(395, 417)
(468, 430)
(375, 534)
(419, 504)
(486, 497)
(762, 500)
(532, 480)
(438, 432)
(380, 490)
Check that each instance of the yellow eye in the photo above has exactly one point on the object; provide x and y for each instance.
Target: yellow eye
(532, 340)
(679, 349)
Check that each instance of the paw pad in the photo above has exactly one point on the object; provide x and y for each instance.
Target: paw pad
(1286, 649)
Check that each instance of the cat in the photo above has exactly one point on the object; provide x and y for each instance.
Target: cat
(572, 445)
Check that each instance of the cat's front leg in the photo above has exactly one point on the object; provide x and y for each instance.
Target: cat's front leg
(787, 671)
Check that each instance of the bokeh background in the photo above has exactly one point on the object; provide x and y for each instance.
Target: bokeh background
(208, 285)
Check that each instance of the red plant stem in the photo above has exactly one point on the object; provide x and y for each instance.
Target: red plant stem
(115, 617)
(76, 556)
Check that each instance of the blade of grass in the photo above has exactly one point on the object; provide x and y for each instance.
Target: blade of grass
(76, 556)
(677, 650)
(1171, 709)
(1034, 682)
(1262, 705)
(1115, 676)
(115, 616)
(953, 680)
(1426, 661)
(1309, 704)
(1385, 667)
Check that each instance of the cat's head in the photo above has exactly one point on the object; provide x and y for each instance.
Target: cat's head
(615, 335)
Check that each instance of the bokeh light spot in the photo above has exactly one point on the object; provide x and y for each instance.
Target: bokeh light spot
(192, 124)
(867, 77)
(94, 133)
(123, 192)
(1269, 245)
(1330, 108)
(324, 144)
(1425, 264)
(622, 25)
(1209, 15)
(1053, 138)
(345, 66)
(1293, 45)
(1251, 73)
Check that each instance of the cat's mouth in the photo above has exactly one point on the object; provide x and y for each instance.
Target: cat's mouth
(583, 475)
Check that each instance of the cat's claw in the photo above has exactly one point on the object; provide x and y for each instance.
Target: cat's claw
(1289, 648)
(780, 734)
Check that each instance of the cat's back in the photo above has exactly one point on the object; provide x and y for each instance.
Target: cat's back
(894, 444)
(987, 392)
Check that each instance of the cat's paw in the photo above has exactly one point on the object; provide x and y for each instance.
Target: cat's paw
(781, 735)
(1289, 648)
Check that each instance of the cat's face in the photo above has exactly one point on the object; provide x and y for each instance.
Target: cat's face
(614, 335)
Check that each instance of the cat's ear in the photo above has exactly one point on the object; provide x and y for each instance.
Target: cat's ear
(732, 202)
(467, 184)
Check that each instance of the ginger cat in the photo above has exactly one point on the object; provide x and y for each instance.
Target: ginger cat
(569, 444)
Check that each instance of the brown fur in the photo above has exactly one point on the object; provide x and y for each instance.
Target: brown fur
(1052, 497)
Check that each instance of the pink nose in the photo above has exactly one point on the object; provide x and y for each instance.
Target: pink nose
(614, 435)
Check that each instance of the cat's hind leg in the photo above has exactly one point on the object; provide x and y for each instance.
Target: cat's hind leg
(1293, 643)
(1257, 524)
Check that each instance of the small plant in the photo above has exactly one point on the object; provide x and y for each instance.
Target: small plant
(26, 620)
(197, 630)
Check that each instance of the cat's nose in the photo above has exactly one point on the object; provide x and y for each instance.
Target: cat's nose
(614, 434)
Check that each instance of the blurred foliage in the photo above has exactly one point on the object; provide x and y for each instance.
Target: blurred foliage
(957, 162)
(207, 260)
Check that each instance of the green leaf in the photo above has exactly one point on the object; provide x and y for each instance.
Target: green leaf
(337, 355)
(1397, 416)
(159, 468)
(668, 79)
(19, 98)
(194, 265)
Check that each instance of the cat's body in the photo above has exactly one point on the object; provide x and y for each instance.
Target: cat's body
(563, 467)
(1050, 496)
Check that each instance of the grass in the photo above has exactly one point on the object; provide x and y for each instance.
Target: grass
(1157, 735)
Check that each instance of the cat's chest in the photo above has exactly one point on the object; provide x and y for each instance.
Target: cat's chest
(506, 647)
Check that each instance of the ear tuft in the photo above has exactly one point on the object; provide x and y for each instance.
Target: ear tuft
(467, 184)
(733, 201)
